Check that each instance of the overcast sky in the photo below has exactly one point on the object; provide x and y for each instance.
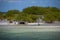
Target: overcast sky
(6, 5)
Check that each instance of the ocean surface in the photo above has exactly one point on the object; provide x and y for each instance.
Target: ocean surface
(28, 33)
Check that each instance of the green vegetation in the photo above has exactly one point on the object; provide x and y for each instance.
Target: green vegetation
(30, 14)
(2, 15)
(26, 17)
(12, 14)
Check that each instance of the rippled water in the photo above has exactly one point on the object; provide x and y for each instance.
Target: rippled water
(21, 33)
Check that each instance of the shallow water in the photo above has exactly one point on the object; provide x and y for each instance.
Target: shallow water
(22, 33)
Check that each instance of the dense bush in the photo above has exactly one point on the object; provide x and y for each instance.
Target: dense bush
(29, 14)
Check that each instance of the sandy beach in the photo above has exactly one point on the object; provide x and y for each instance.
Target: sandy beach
(29, 28)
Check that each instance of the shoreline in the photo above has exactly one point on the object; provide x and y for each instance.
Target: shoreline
(29, 28)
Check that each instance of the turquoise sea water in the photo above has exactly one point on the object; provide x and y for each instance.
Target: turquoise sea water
(13, 33)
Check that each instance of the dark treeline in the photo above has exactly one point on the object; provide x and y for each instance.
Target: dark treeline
(30, 14)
